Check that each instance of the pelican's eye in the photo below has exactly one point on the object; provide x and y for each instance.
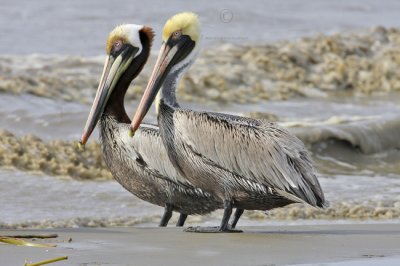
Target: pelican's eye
(176, 34)
(117, 45)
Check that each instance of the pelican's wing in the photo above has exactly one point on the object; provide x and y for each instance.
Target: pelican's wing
(148, 144)
(259, 151)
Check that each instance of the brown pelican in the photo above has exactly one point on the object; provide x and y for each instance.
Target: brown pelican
(140, 165)
(248, 163)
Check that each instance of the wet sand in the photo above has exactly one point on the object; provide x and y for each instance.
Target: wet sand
(355, 244)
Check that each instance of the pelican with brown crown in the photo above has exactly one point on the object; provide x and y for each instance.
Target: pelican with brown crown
(248, 163)
(140, 165)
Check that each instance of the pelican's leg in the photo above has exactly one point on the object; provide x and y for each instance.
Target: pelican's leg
(182, 219)
(227, 214)
(238, 213)
(167, 215)
(223, 228)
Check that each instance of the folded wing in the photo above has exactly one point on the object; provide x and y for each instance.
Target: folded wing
(259, 151)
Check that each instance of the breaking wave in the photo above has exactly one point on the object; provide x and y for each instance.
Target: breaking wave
(318, 66)
(368, 134)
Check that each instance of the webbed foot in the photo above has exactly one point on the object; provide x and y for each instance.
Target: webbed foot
(211, 229)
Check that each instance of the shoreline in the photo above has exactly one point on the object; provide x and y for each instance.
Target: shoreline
(349, 244)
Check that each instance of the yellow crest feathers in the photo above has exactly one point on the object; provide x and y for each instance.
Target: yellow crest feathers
(188, 22)
(119, 33)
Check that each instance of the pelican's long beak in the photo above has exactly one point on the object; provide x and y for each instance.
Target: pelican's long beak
(113, 69)
(171, 53)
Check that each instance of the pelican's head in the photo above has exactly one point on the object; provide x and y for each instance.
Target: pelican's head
(181, 37)
(128, 47)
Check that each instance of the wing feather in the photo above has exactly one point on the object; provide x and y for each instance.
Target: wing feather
(148, 144)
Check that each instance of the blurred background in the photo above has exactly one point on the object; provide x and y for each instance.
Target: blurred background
(327, 70)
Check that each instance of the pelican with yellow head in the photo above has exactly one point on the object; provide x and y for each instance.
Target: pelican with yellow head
(246, 163)
(181, 42)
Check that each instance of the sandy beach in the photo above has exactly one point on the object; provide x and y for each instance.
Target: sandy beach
(357, 244)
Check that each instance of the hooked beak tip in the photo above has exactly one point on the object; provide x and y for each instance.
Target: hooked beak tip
(81, 146)
(131, 132)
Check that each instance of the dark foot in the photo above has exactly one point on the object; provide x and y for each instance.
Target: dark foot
(216, 229)
(224, 227)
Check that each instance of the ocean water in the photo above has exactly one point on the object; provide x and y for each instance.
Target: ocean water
(51, 57)
(80, 27)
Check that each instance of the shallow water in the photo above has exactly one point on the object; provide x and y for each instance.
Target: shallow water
(44, 201)
(30, 197)
(45, 118)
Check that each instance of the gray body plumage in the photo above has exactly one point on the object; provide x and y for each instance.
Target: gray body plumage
(142, 167)
(252, 163)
